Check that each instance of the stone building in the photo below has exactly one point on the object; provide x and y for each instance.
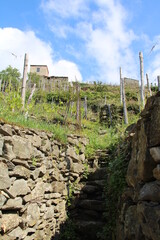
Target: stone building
(46, 82)
(133, 83)
(41, 70)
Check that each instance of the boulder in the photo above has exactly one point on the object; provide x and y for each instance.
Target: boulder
(9, 222)
(33, 214)
(22, 147)
(150, 192)
(155, 153)
(156, 172)
(19, 188)
(20, 172)
(1, 146)
(6, 130)
(11, 204)
(5, 181)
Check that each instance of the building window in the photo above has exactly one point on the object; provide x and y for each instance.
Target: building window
(38, 69)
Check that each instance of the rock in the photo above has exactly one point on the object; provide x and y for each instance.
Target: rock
(73, 141)
(3, 199)
(98, 174)
(49, 213)
(11, 204)
(21, 163)
(5, 181)
(71, 153)
(92, 205)
(59, 187)
(141, 165)
(1, 146)
(154, 130)
(19, 188)
(18, 233)
(6, 130)
(52, 195)
(34, 139)
(46, 146)
(149, 218)
(132, 228)
(150, 192)
(33, 214)
(77, 168)
(21, 147)
(89, 189)
(39, 172)
(8, 151)
(9, 222)
(156, 172)
(21, 172)
(55, 151)
(37, 192)
(155, 153)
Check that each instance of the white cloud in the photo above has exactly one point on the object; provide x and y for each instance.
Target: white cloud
(66, 68)
(15, 41)
(65, 8)
(103, 32)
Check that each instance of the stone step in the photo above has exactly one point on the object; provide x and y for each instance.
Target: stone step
(90, 204)
(98, 174)
(88, 230)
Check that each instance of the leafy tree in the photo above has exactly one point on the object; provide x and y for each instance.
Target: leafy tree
(10, 78)
(33, 78)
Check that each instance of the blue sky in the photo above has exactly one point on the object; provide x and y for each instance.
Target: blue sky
(82, 38)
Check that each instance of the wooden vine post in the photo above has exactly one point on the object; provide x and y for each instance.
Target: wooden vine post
(78, 114)
(31, 95)
(148, 85)
(85, 107)
(124, 102)
(158, 79)
(25, 69)
(142, 78)
(120, 72)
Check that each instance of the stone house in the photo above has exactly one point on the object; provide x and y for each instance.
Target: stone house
(46, 82)
(41, 70)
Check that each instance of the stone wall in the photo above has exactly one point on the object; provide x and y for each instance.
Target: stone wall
(35, 174)
(140, 208)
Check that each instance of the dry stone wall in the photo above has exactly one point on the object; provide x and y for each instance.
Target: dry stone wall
(35, 173)
(140, 211)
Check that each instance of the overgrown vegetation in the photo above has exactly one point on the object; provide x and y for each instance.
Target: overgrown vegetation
(116, 169)
(56, 112)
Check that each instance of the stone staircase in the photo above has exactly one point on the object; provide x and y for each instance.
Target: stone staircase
(89, 205)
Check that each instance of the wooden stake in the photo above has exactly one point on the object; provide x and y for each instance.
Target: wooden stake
(148, 85)
(124, 103)
(105, 100)
(142, 78)
(158, 79)
(120, 72)
(110, 115)
(85, 107)
(31, 95)
(23, 93)
(78, 115)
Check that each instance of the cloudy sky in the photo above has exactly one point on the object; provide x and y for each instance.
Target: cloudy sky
(89, 39)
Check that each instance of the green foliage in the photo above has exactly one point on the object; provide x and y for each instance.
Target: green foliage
(85, 172)
(71, 188)
(33, 78)
(117, 168)
(10, 78)
(69, 231)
